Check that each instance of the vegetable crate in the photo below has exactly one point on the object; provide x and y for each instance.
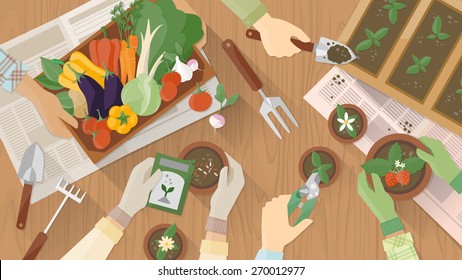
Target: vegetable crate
(412, 51)
(111, 30)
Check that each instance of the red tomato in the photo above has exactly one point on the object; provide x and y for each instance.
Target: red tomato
(89, 125)
(102, 125)
(101, 139)
(168, 91)
(200, 101)
(173, 77)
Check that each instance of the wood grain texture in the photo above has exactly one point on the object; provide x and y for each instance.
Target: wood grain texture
(344, 227)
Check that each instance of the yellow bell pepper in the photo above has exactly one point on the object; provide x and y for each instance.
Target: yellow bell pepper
(81, 64)
(121, 119)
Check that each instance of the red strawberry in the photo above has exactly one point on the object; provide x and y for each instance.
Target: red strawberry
(403, 177)
(390, 179)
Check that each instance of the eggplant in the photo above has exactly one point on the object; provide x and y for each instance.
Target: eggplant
(94, 94)
(112, 91)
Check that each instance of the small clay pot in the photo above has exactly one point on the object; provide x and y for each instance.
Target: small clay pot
(343, 136)
(199, 185)
(380, 150)
(155, 234)
(327, 156)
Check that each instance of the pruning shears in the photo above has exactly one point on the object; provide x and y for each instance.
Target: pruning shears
(310, 190)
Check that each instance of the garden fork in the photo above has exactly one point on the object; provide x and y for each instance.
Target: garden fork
(270, 104)
(39, 241)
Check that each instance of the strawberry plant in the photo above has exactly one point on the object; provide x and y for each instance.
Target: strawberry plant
(393, 7)
(436, 28)
(419, 65)
(394, 169)
(320, 168)
(372, 39)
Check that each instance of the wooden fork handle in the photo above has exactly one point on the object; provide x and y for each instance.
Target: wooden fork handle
(36, 246)
(24, 206)
(304, 46)
(242, 65)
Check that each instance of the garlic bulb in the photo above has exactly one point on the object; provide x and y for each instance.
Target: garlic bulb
(184, 70)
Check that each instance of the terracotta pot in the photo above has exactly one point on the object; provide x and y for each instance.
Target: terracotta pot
(164, 227)
(427, 171)
(331, 153)
(333, 118)
(203, 144)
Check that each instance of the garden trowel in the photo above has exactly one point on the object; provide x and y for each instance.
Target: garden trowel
(310, 190)
(326, 51)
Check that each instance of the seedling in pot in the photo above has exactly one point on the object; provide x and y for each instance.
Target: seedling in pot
(419, 65)
(217, 120)
(346, 121)
(320, 168)
(459, 91)
(436, 28)
(393, 7)
(372, 39)
(166, 243)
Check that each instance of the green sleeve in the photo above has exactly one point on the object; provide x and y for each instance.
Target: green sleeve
(249, 11)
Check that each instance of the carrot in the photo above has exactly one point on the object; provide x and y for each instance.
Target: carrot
(123, 62)
(104, 51)
(93, 49)
(114, 60)
(130, 54)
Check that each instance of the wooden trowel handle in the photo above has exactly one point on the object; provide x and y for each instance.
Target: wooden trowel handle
(24, 206)
(36, 246)
(242, 65)
(304, 46)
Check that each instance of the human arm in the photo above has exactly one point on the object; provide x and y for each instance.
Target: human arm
(275, 33)
(230, 185)
(441, 162)
(397, 244)
(276, 230)
(98, 243)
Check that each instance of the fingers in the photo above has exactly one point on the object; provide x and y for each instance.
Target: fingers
(378, 186)
(63, 115)
(363, 186)
(300, 35)
(223, 180)
(301, 227)
(235, 172)
(425, 156)
(153, 180)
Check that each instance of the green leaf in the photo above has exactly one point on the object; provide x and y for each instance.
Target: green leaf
(66, 102)
(47, 83)
(377, 43)
(170, 190)
(325, 167)
(432, 37)
(171, 231)
(220, 96)
(57, 61)
(399, 6)
(460, 82)
(232, 100)
(340, 111)
(443, 36)
(179, 49)
(459, 91)
(392, 1)
(425, 61)
(414, 69)
(387, 7)
(423, 69)
(381, 33)
(164, 188)
(415, 59)
(169, 56)
(393, 16)
(315, 159)
(160, 254)
(353, 134)
(364, 45)
(378, 166)
(51, 69)
(395, 153)
(413, 164)
(437, 25)
(369, 33)
(324, 177)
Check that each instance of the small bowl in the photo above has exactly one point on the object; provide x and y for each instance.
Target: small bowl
(333, 119)
(195, 186)
(335, 161)
(164, 227)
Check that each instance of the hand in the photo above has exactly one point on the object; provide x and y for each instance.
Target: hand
(230, 186)
(377, 199)
(138, 187)
(48, 107)
(439, 159)
(276, 34)
(275, 227)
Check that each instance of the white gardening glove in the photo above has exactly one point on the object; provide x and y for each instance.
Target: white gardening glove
(138, 187)
(230, 185)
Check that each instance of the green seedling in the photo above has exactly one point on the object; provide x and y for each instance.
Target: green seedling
(320, 168)
(436, 28)
(372, 39)
(393, 7)
(459, 91)
(419, 65)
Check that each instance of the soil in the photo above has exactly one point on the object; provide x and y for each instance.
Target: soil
(153, 245)
(338, 54)
(409, 150)
(358, 124)
(450, 103)
(419, 85)
(376, 17)
(207, 168)
(325, 159)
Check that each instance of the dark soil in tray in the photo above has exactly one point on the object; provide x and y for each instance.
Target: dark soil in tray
(325, 159)
(450, 103)
(418, 85)
(153, 245)
(375, 18)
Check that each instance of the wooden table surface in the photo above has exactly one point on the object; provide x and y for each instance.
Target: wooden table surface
(343, 228)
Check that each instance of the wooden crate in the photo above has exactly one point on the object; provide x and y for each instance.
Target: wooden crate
(437, 85)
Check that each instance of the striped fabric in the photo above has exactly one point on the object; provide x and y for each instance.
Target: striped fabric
(11, 71)
(400, 247)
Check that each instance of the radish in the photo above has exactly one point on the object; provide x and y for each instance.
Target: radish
(217, 121)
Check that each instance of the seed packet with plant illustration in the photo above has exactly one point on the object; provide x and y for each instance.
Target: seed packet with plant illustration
(171, 191)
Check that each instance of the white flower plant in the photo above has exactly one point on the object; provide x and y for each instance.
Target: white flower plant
(166, 243)
(346, 121)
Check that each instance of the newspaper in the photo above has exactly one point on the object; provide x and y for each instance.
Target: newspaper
(65, 158)
(387, 116)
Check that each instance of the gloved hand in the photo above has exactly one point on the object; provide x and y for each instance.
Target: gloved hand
(275, 228)
(439, 159)
(230, 185)
(138, 187)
